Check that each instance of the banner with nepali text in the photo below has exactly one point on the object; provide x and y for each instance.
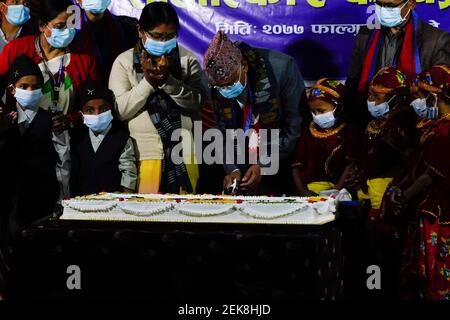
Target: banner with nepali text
(318, 33)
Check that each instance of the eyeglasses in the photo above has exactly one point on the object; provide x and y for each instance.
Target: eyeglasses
(161, 36)
(60, 26)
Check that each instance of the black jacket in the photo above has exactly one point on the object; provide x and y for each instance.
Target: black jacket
(94, 172)
(27, 170)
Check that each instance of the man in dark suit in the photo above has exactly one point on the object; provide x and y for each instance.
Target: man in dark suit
(404, 41)
(255, 88)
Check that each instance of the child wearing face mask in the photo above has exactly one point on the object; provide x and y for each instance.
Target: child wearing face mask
(423, 199)
(103, 157)
(327, 149)
(425, 104)
(389, 136)
(28, 156)
(64, 66)
(388, 143)
(425, 100)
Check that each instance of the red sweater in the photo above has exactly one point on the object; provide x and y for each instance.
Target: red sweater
(82, 66)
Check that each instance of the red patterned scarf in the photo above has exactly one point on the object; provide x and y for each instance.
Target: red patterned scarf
(408, 61)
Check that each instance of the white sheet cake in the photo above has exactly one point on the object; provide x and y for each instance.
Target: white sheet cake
(200, 208)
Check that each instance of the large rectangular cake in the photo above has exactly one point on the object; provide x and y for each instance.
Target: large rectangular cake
(201, 209)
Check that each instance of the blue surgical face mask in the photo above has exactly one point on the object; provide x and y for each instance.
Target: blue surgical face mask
(380, 110)
(325, 120)
(96, 6)
(18, 15)
(390, 17)
(160, 48)
(98, 123)
(61, 38)
(233, 91)
(420, 107)
(28, 99)
(424, 111)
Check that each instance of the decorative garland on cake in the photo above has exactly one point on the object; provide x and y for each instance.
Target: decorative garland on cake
(251, 210)
(88, 206)
(205, 209)
(145, 209)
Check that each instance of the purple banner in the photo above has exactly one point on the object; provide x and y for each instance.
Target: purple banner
(318, 33)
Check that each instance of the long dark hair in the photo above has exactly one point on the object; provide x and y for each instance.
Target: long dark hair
(50, 9)
(158, 13)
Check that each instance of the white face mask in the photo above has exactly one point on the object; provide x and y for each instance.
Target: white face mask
(28, 99)
(61, 38)
(420, 107)
(96, 6)
(18, 15)
(325, 120)
(160, 48)
(391, 17)
(380, 110)
(98, 123)
(423, 110)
